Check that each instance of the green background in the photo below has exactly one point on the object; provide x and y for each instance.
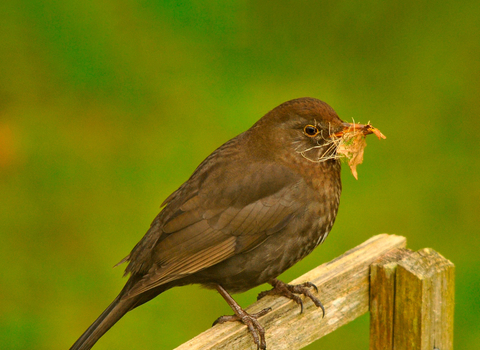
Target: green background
(107, 106)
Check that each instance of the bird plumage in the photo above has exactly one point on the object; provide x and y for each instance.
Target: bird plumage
(251, 209)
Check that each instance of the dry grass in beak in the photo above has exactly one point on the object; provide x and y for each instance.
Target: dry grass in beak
(352, 143)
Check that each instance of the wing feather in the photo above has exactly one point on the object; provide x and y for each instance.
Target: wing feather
(183, 267)
(202, 230)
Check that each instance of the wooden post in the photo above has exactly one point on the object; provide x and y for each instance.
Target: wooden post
(410, 296)
(412, 302)
(424, 302)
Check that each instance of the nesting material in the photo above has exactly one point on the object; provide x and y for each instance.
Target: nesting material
(351, 144)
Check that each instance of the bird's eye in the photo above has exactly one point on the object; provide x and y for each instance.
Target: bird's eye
(310, 130)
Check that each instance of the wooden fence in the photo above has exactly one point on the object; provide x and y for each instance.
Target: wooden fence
(410, 296)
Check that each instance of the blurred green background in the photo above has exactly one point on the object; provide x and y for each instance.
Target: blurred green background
(107, 106)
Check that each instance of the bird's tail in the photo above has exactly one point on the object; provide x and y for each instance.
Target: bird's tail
(104, 322)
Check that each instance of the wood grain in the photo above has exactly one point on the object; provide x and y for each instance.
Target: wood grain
(382, 299)
(424, 302)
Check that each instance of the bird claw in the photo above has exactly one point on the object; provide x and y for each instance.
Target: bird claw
(251, 321)
(290, 291)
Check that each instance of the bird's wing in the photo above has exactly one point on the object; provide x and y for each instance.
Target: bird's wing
(214, 225)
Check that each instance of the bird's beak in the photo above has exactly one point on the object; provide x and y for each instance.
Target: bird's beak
(352, 128)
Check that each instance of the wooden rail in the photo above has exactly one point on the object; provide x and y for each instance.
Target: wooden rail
(410, 296)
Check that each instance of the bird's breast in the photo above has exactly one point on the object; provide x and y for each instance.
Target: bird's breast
(324, 182)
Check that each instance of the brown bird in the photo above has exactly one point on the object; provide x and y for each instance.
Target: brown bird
(252, 209)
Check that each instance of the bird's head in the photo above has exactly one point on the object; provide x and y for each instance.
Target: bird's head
(311, 129)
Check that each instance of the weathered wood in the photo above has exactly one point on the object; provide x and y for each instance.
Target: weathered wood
(424, 302)
(382, 299)
(343, 287)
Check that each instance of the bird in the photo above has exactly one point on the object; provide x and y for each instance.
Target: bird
(253, 208)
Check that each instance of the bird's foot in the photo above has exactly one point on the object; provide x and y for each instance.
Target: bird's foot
(290, 291)
(250, 320)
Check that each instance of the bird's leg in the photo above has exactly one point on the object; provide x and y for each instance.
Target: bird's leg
(290, 291)
(250, 320)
